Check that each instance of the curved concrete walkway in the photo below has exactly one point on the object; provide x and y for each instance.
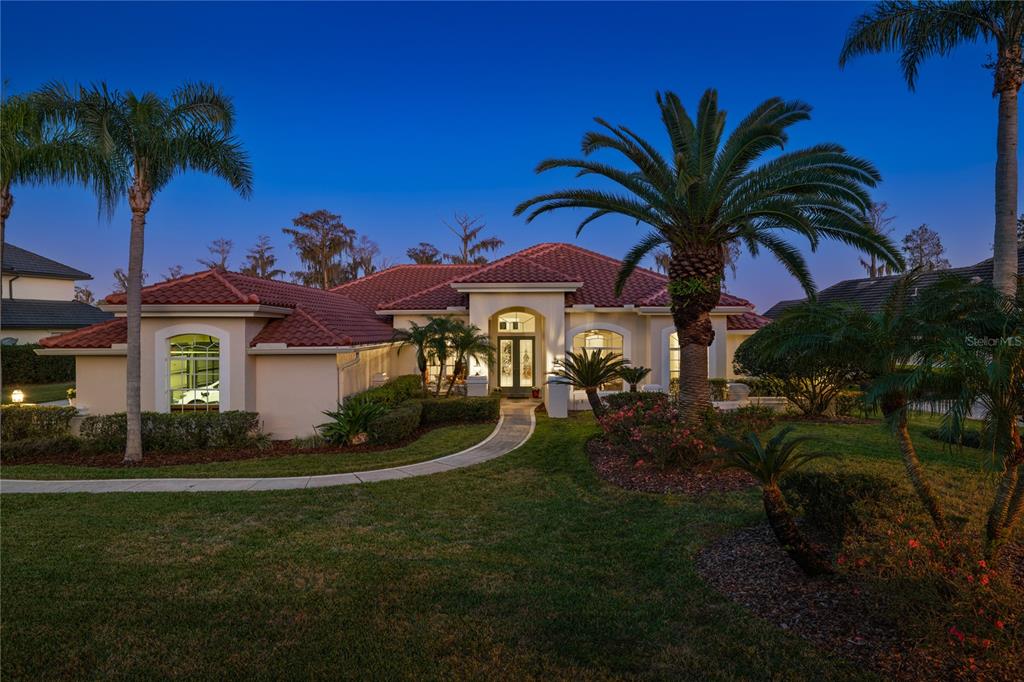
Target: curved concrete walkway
(514, 428)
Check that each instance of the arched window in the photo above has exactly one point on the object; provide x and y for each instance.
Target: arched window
(674, 362)
(193, 372)
(601, 340)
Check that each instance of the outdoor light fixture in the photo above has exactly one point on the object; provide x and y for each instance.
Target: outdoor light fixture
(17, 396)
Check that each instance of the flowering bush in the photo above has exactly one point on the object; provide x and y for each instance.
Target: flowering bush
(650, 430)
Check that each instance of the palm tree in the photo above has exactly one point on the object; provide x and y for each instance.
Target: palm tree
(970, 353)
(419, 337)
(38, 147)
(467, 342)
(154, 139)
(885, 345)
(768, 463)
(439, 344)
(919, 30)
(633, 376)
(587, 371)
(709, 193)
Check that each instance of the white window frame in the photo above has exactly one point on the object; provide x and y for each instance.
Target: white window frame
(162, 357)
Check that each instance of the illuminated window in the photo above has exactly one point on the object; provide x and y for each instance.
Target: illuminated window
(674, 362)
(607, 342)
(193, 372)
(516, 323)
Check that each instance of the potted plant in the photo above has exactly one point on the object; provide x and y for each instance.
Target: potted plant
(72, 396)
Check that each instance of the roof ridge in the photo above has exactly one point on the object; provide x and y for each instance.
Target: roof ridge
(598, 254)
(401, 265)
(165, 283)
(519, 255)
(341, 340)
(250, 298)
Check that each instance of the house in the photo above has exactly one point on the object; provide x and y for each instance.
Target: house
(38, 298)
(870, 293)
(222, 340)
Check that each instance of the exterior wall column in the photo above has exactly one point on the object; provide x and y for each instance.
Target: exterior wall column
(718, 353)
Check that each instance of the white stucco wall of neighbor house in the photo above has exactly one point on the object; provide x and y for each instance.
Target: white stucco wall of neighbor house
(40, 288)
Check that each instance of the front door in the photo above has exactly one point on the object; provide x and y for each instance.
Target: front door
(516, 360)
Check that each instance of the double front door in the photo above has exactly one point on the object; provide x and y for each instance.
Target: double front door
(516, 364)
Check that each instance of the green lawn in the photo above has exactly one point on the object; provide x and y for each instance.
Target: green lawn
(526, 567)
(38, 393)
(438, 442)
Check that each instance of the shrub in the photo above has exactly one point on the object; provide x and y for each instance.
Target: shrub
(396, 425)
(970, 438)
(737, 423)
(841, 503)
(20, 365)
(173, 431)
(649, 429)
(760, 386)
(64, 444)
(308, 442)
(454, 410)
(810, 378)
(719, 389)
(616, 401)
(396, 391)
(352, 419)
(852, 403)
(18, 422)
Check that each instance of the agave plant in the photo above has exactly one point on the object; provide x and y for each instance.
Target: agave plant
(768, 463)
(588, 371)
(633, 376)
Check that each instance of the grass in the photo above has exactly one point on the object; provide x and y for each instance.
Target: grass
(524, 567)
(39, 393)
(438, 442)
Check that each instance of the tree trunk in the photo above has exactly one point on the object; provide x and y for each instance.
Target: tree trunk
(595, 402)
(1006, 505)
(6, 204)
(695, 287)
(912, 464)
(807, 557)
(1004, 250)
(632, 388)
(140, 200)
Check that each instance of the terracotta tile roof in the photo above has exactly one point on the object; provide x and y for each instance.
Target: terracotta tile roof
(320, 318)
(555, 262)
(746, 321)
(400, 281)
(100, 335)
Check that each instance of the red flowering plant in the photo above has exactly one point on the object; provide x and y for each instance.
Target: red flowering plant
(650, 430)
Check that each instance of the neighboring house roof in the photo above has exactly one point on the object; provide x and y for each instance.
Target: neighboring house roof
(30, 313)
(319, 318)
(19, 261)
(551, 263)
(746, 322)
(870, 293)
(399, 281)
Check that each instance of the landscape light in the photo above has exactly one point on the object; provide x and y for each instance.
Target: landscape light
(17, 396)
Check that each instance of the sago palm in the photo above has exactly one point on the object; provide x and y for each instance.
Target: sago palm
(37, 147)
(884, 345)
(918, 30)
(711, 191)
(633, 376)
(588, 371)
(768, 463)
(153, 139)
(467, 342)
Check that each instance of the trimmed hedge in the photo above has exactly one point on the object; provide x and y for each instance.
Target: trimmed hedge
(396, 391)
(65, 444)
(18, 422)
(174, 431)
(20, 365)
(449, 410)
(397, 424)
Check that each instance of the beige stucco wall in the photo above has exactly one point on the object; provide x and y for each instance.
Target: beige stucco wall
(100, 383)
(43, 288)
(30, 335)
(293, 390)
(735, 338)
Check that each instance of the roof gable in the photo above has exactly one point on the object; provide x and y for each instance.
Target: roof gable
(19, 261)
(400, 281)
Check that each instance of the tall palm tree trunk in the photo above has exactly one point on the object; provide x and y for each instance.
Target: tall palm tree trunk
(1006, 506)
(1004, 263)
(695, 281)
(789, 536)
(139, 200)
(6, 204)
(912, 464)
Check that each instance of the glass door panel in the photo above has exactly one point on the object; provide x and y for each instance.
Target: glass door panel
(526, 356)
(506, 363)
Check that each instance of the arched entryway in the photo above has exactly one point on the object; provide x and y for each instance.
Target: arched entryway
(515, 333)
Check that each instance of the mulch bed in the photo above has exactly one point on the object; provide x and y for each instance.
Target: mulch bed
(614, 466)
(278, 448)
(834, 612)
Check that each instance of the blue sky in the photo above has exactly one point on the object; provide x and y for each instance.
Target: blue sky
(396, 115)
